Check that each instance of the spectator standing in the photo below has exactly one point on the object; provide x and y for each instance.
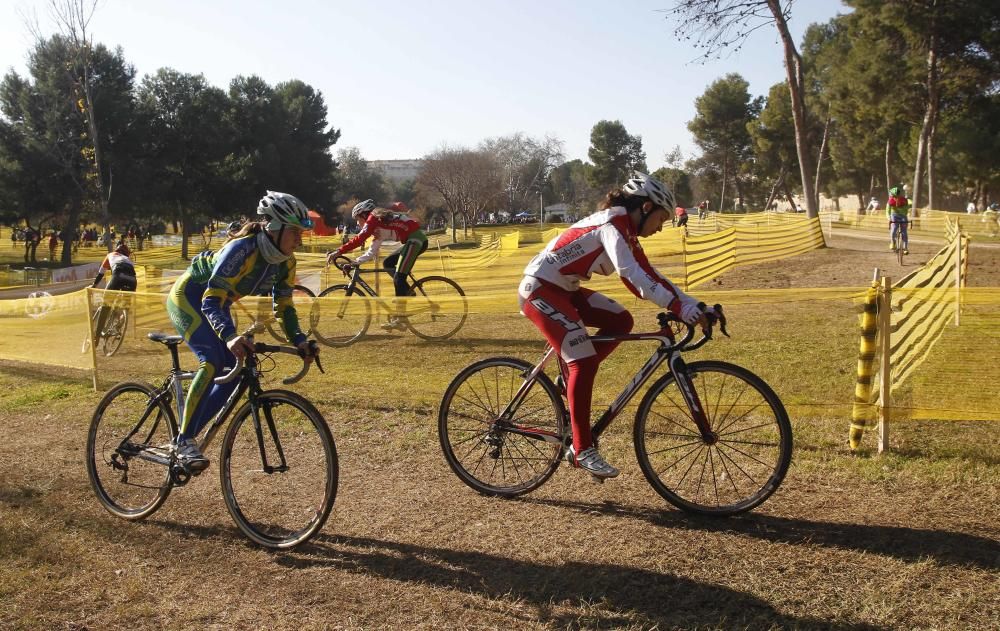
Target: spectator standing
(971, 208)
(53, 244)
(991, 217)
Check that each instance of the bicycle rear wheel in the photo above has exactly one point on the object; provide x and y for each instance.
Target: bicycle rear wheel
(481, 447)
(304, 300)
(749, 456)
(114, 332)
(438, 309)
(283, 504)
(343, 318)
(126, 433)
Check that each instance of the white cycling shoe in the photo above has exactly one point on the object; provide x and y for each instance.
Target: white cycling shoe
(394, 324)
(591, 461)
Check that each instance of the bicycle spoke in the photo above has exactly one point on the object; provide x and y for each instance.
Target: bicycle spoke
(737, 465)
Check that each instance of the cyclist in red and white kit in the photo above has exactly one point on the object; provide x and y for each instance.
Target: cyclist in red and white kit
(551, 297)
(392, 224)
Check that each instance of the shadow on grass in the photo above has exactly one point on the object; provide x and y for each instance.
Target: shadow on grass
(624, 595)
(907, 544)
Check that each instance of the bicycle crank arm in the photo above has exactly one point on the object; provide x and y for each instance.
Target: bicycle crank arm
(143, 453)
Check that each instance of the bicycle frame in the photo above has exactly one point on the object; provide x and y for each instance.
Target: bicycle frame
(173, 388)
(668, 351)
(356, 282)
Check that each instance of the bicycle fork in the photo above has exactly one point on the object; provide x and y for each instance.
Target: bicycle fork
(259, 430)
(684, 382)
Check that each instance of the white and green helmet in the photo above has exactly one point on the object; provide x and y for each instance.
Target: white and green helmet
(282, 209)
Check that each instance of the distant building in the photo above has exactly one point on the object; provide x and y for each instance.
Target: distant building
(397, 170)
(557, 212)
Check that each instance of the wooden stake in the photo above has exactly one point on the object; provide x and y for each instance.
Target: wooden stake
(885, 394)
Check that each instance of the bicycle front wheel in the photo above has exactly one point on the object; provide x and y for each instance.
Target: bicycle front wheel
(279, 470)
(128, 433)
(741, 466)
(899, 248)
(304, 300)
(437, 309)
(496, 454)
(343, 318)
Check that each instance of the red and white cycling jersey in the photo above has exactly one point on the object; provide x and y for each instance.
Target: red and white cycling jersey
(114, 260)
(603, 243)
(392, 227)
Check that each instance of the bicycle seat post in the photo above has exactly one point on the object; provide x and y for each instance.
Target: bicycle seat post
(174, 359)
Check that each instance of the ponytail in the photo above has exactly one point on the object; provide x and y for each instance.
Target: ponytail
(250, 227)
(618, 197)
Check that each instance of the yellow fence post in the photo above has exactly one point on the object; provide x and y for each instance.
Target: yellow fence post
(441, 256)
(91, 326)
(958, 279)
(867, 351)
(684, 258)
(885, 392)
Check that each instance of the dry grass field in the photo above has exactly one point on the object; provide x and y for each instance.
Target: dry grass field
(849, 541)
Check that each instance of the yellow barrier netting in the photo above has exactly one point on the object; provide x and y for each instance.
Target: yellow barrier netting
(775, 329)
(943, 340)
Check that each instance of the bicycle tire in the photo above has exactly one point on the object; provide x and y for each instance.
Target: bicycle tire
(299, 293)
(117, 324)
(471, 435)
(680, 451)
(119, 412)
(431, 325)
(337, 323)
(899, 246)
(258, 500)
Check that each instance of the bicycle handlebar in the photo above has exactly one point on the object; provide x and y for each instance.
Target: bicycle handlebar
(339, 265)
(261, 347)
(714, 315)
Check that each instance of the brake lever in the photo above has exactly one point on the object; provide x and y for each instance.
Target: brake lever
(314, 351)
(721, 317)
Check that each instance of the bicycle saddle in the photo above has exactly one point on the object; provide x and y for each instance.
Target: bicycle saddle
(163, 338)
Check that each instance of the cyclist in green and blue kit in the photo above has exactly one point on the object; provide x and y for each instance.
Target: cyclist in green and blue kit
(259, 256)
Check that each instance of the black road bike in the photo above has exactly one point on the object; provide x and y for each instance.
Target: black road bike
(710, 437)
(278, 463)
(436, 310)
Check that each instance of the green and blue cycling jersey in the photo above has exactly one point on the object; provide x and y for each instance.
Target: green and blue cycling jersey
(199, 307)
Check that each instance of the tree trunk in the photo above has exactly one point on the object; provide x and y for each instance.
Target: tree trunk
(888, 164)
(774, 189)
(819, 158)
(184, 230)
(931, 112)
(95, 139)
(72, 219)
(791, 199)
(796, 83)
(930, 163)
(725, 176)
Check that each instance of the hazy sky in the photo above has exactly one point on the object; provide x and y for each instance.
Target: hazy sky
(403, 77)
